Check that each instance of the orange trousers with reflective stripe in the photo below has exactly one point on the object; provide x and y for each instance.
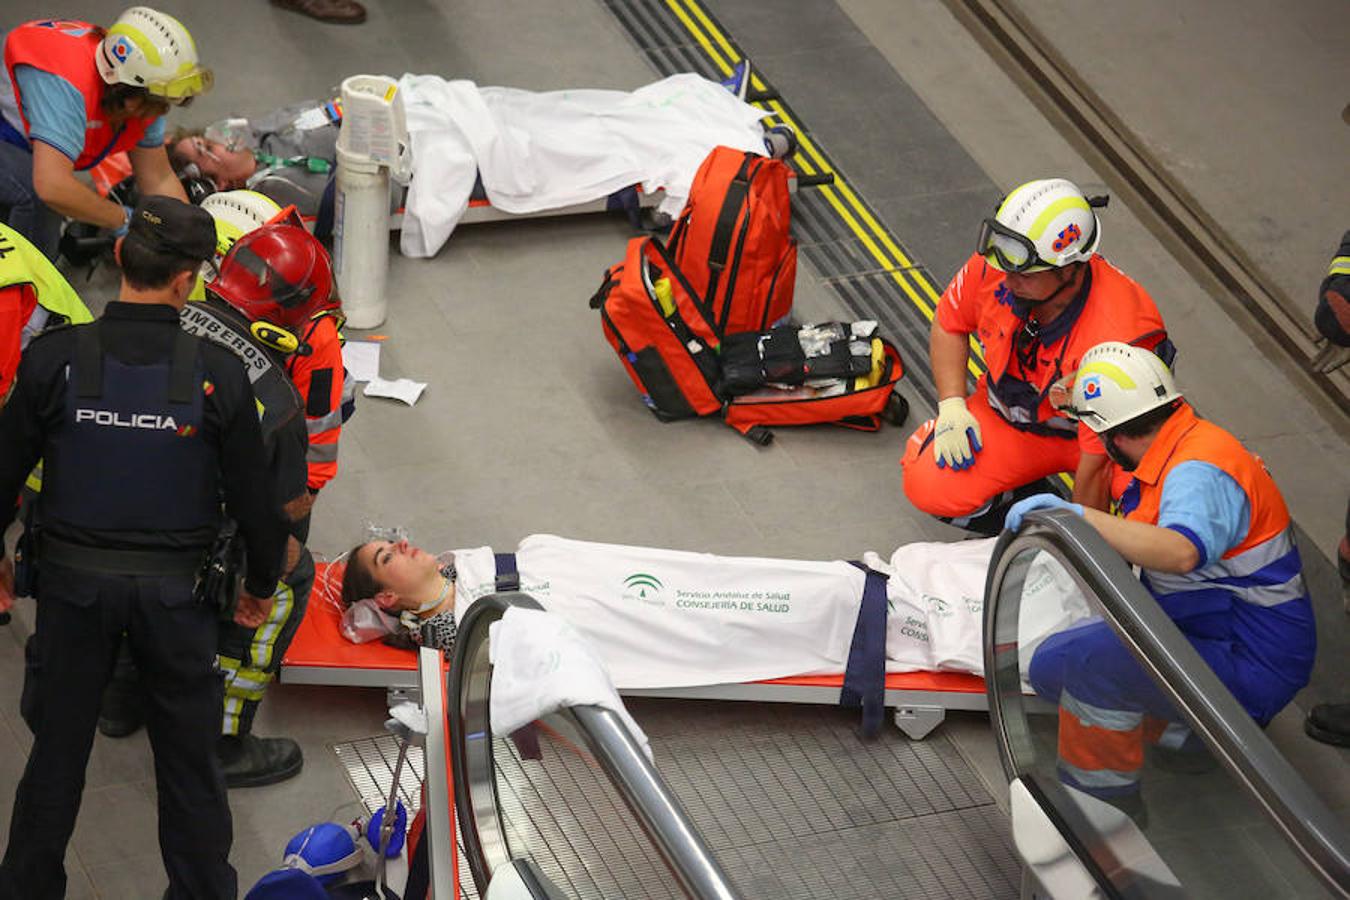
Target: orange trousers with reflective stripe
(1010, 458)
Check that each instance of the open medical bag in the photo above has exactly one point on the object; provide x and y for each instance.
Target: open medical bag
(673, 352)
(733, 243)
(853, 388)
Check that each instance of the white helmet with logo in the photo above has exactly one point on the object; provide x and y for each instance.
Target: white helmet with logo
(1117, 382)
(1045, 224)
(236, 214)
(150, 49)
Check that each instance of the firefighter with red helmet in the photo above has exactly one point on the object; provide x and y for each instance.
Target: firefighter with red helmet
(291, 303)
(279, 278)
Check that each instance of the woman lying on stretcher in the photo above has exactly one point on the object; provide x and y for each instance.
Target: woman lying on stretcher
(407, 584)
(667, 618)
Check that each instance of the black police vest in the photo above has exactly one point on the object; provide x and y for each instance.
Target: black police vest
(129, 455)
(222, 324)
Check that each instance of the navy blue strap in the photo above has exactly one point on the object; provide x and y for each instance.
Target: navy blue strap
(508, 578)
(865, 671)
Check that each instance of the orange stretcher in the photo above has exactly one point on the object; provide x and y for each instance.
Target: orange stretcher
(319, 654)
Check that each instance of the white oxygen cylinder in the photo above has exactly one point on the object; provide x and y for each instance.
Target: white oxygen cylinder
(372, 142)
(361, 239)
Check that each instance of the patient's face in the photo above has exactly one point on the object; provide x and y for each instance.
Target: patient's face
(229, 169)
(399, 567)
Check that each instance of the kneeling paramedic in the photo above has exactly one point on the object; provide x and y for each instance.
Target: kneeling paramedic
(1208, 528)
(1036, 296)
(142, 429)
(70, 95)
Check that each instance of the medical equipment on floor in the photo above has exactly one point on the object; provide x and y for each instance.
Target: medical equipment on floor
(372, 148)
(658, 322)
(318, 859)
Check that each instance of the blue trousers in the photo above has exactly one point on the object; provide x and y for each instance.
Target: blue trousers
(21, 207)
(1109, 707)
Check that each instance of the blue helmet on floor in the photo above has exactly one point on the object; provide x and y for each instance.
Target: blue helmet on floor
(314, 857)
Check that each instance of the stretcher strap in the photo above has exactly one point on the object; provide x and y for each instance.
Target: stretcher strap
(508, 577)
(865, 671)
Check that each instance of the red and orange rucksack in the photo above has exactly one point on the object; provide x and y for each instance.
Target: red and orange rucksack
(732, 240)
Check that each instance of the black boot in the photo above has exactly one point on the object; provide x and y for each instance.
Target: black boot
(250, 761)
(1329, 723)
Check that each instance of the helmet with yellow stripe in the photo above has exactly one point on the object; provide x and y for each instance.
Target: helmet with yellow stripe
(1044, 224)
(150, 49)
(236, 214)
(1117, 382)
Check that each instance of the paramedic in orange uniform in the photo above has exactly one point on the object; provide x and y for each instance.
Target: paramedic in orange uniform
(1036, 296)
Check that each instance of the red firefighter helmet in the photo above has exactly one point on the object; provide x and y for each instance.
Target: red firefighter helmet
(278, 273)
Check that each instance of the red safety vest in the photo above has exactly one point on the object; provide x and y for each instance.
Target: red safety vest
(978, 302)
(66, 48)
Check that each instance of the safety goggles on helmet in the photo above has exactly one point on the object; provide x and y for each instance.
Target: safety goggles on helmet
(180, 89)
(1008, 250)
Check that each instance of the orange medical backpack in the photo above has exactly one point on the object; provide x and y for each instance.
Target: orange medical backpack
(732, 240)
(665, 336)
(662, 332)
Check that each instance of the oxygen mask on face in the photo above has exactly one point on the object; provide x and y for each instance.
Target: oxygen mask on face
(364, 621)
(234, 133)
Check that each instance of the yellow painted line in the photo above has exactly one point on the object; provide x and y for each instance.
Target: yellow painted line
(841, 196)
(698, 35)
(901, 260)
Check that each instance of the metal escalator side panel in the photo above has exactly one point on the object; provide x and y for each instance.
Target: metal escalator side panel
(439, 797)
(1253, 786)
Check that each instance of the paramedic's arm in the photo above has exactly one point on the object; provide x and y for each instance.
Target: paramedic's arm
(154, 174)
(1092, 481)
(55, 183)
(954, 320)
(949, 354)
(1145, 545)
(1202, 514)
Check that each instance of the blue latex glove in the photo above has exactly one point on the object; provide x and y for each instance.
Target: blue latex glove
(1013, 520)
(121, 230)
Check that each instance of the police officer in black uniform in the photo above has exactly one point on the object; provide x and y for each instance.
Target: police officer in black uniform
(143, 429)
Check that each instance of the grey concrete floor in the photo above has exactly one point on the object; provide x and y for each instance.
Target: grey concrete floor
(529, 424)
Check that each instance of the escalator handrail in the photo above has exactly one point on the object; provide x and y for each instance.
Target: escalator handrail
(607, 737)
(1242, 746)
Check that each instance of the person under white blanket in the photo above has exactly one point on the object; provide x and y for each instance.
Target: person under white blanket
(542, 151)
(672, 618)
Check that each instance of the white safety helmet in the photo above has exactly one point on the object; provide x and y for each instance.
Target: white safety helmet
(1045, 224)
(236, 214)
(1117, 382)
(150, 49)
